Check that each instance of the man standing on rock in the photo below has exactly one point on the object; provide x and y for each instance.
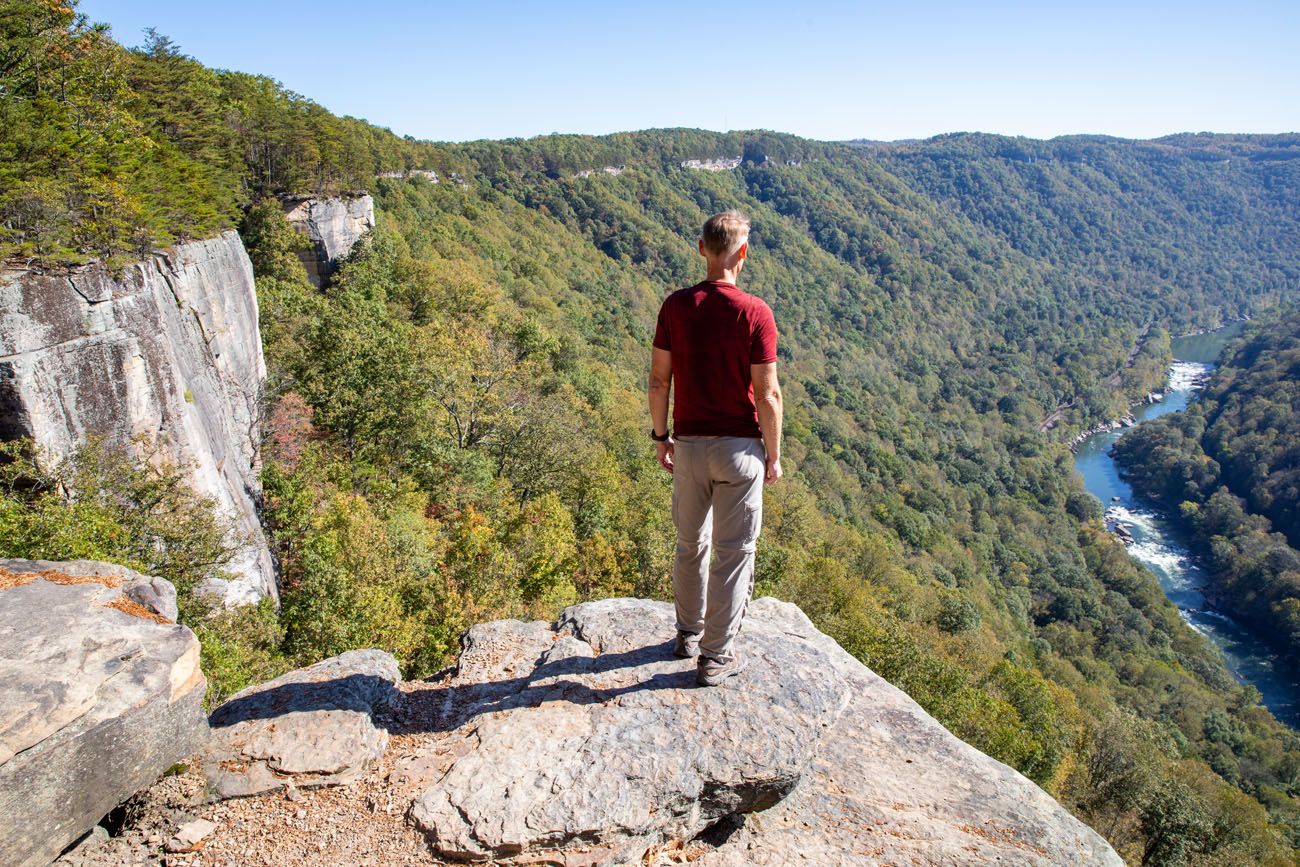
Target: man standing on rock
(716, 347)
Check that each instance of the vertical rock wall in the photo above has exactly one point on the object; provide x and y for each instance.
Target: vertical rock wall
(168, 349)
(333, 225)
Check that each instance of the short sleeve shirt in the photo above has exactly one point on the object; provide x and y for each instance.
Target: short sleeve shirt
(715, 332)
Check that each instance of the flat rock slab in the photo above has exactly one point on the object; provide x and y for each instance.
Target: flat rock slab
(99, 694)
(311, 727)
(587, 741)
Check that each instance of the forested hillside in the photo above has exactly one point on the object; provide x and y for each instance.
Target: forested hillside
(108, 152)
(456, 431)
(1165, 222)
(1229, 465)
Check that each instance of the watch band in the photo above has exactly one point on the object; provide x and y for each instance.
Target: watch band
(660, 439)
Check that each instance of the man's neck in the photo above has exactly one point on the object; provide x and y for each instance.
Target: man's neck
(722, 275)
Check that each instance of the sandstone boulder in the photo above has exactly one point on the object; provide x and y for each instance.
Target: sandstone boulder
(99, 694)
(156, 594)
(312, 727)
(587, 742)
(890, 785)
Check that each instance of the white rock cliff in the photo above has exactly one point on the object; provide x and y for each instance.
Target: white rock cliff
(168, 349)
(334, 227)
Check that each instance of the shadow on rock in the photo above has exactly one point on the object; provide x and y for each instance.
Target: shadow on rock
(575, 679)
(354, 692)
(316, 726)
(588, 735)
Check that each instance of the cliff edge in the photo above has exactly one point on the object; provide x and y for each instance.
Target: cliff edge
(586, 742)
(333, 225)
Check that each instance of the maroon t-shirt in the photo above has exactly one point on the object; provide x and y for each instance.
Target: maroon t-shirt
(715, 332)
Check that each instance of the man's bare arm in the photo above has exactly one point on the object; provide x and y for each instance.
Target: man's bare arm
(661, 378)
(771, 410)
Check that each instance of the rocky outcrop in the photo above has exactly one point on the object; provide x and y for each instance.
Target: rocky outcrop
(628, 759)
(157, 595)
(99, 694)
(169, 350)
(311, 727)
(890, 785)
(428, 174)
(586, 742)
(334, 227)
(717, 164)
(608, 170)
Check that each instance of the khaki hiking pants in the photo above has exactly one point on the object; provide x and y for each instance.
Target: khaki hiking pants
(718, 504)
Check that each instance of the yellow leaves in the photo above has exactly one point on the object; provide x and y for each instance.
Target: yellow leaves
(604, 568)
(547, 547)
(1017, 575)
(473, 535)
(472, 377)
(464, 292)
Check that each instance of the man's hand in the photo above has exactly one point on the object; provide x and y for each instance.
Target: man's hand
(773, 471)
(665, 450)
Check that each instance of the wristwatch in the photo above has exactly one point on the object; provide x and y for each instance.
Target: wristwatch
(660, 439)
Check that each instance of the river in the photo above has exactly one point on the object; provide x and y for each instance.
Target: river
(1164, 548)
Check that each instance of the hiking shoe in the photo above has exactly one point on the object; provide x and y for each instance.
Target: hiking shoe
(687, 644)
(711, 672)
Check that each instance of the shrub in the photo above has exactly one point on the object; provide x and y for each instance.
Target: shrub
(1083, 506)
(104, 503)
(957, 614)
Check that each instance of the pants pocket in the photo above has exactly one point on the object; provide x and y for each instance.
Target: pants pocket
(753, 521)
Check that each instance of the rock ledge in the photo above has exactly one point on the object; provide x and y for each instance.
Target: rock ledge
(587, 742)
(311, 727)
(99, 694)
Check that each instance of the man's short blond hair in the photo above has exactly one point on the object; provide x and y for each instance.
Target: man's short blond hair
(725, 232)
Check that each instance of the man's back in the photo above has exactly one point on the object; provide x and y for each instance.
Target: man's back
(715, 332)
(715, 347)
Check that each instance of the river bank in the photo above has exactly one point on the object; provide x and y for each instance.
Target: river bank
(1164, 547)
(1212, 340)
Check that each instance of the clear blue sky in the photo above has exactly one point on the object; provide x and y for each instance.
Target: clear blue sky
(880, 70)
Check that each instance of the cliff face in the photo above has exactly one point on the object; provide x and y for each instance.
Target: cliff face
(333, 225)
(169, 350)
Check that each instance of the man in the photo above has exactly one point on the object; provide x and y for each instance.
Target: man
(715, 346)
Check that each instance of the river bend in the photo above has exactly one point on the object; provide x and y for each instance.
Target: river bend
(1163, 547)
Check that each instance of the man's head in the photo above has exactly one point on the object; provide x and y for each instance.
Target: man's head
(725, 239)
